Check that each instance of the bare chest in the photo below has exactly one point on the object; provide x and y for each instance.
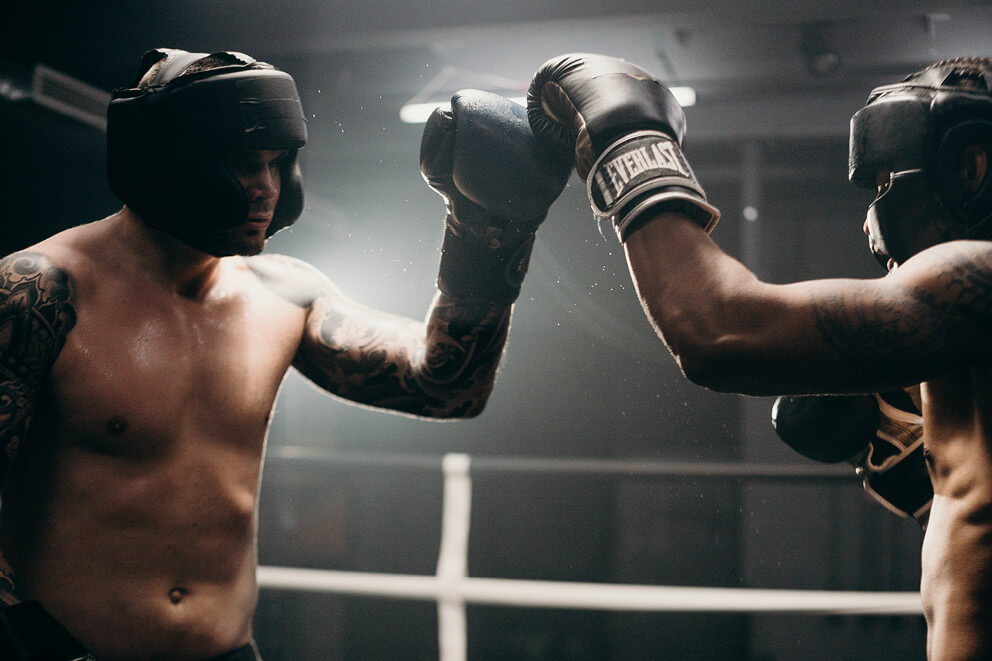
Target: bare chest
(162, 368)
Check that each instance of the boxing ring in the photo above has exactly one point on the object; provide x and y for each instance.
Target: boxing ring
(453, 589)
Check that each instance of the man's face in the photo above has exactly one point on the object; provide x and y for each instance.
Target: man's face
(902, 220)
(259, 173)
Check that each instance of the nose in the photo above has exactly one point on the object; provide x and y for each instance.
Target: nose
(264, 185)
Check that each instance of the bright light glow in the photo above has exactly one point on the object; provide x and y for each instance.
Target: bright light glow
(417, 113)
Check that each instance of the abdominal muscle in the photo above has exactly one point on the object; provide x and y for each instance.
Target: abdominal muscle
(140, 558)
(956, 584)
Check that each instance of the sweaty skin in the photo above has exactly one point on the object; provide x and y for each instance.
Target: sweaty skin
(928, 322)
(137, 377)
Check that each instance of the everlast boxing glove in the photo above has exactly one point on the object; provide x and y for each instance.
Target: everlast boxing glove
(498, 182)
(627, 132)
(880, 435)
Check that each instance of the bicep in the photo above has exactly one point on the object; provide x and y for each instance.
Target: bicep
(36, 315)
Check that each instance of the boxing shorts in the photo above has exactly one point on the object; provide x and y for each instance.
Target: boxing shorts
(29, 633)
(244, 653)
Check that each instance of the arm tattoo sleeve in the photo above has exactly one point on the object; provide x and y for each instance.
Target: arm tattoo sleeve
(932, 326)
(445, 370)
(36, 315)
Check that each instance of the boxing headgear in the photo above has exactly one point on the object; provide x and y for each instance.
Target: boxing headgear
(919, 130)
(167, 137)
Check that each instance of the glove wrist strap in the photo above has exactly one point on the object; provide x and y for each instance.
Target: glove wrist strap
(472, 271)
(646, 170)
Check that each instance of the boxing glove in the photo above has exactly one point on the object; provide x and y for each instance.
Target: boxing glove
(498, 182)
(880, 435)
(627, 132)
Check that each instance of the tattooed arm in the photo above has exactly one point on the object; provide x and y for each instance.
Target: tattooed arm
(731, 332)
(444, 368)
(36, 315)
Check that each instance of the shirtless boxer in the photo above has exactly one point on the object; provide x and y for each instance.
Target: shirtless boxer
(142, 353)
(924, 143)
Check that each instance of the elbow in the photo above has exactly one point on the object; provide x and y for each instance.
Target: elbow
(705, 370)
(715, 361)
(464, 408)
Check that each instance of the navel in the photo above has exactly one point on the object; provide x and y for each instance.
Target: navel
(177, 594)
(116, 425)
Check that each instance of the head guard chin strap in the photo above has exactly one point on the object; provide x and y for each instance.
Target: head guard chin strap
(168, 134)
(918, 130)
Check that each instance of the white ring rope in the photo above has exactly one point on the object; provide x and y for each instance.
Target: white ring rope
(452, 588)
(593, 596)
(598, 467)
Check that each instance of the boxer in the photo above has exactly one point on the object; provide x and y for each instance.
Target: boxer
(923, 144)
(141, 354)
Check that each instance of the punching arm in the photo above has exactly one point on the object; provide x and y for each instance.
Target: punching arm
(442, 368)
(729, 331)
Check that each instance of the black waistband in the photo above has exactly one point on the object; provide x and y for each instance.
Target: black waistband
(245, 653)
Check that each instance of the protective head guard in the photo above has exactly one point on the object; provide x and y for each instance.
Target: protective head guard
(168, 134)
(920, 130)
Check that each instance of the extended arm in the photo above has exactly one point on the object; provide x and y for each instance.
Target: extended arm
(497, 182)
(728, 330)
(731, 332)
(442, 368)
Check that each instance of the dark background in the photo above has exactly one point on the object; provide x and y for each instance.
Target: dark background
(584, 375)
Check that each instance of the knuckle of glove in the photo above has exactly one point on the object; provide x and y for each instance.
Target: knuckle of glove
(829, 429)
(607, 96)
(628, 131)
(498, 164)
(437, 150)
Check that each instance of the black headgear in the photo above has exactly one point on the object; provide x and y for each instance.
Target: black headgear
(167, 136)
(918, 130)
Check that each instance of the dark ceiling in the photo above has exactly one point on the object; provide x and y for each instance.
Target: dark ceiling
(749, 61)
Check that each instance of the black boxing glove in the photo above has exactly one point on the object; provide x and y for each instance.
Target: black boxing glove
(880, 435)
(829, 428)
(627, 132)
(498, 182)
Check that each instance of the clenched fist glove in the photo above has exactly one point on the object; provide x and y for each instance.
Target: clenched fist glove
(880, 435)
(627, 131)
(498, 182)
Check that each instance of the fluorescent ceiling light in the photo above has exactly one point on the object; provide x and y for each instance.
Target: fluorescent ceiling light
(417, 113)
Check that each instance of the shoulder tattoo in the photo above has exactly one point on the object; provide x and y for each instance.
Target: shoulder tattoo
(36, 315)
(951, 318)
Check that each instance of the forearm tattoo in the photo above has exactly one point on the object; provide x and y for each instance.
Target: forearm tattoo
(949, 321)
(36, 315)
(447, 372)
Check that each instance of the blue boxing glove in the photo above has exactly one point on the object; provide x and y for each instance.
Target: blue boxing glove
(880, 435)
(498, 182)
(627, 131)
